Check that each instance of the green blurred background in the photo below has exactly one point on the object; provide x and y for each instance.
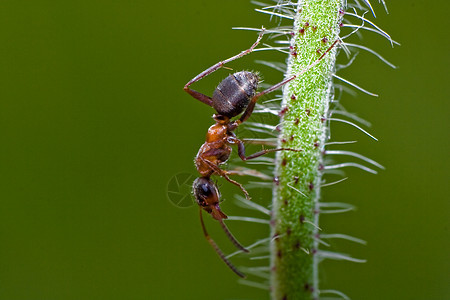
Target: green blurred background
(94, 124)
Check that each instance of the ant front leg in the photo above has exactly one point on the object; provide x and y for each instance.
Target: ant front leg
(223, 173)
(203, 98)
(241, 149)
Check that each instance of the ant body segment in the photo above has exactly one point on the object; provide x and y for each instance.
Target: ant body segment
(235, 95)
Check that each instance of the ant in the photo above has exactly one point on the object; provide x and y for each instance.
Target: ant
(235, 95)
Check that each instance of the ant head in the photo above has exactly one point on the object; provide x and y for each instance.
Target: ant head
(233, 94)
(207, 196)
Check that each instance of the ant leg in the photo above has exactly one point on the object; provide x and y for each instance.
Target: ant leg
(203, 98)
(260, 153)
(241, 149)
(199, 96)
(223, 173)
(251, 106)
(217, 249)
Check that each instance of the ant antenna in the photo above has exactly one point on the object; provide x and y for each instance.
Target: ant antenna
(217, 249)
(231, 237)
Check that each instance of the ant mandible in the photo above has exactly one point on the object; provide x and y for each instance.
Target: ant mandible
(236, 94)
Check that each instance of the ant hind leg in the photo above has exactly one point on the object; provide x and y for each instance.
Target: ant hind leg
(203, 98)
(251, 106)
(241, 149)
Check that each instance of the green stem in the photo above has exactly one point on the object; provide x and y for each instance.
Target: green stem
(294, 256)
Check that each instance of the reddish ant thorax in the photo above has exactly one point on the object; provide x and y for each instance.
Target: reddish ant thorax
(214, 151)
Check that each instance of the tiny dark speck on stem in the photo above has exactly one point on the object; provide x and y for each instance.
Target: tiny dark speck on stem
(283, 111)
(302, 219)
(308, 288)
(288, 231)
(276, 180)
(275, 237)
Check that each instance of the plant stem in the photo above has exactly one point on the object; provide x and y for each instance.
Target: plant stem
(294, 256)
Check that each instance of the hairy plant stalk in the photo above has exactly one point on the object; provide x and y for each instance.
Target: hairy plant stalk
(294, 255)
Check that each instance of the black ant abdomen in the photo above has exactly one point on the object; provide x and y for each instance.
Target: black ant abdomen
(233, 94)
